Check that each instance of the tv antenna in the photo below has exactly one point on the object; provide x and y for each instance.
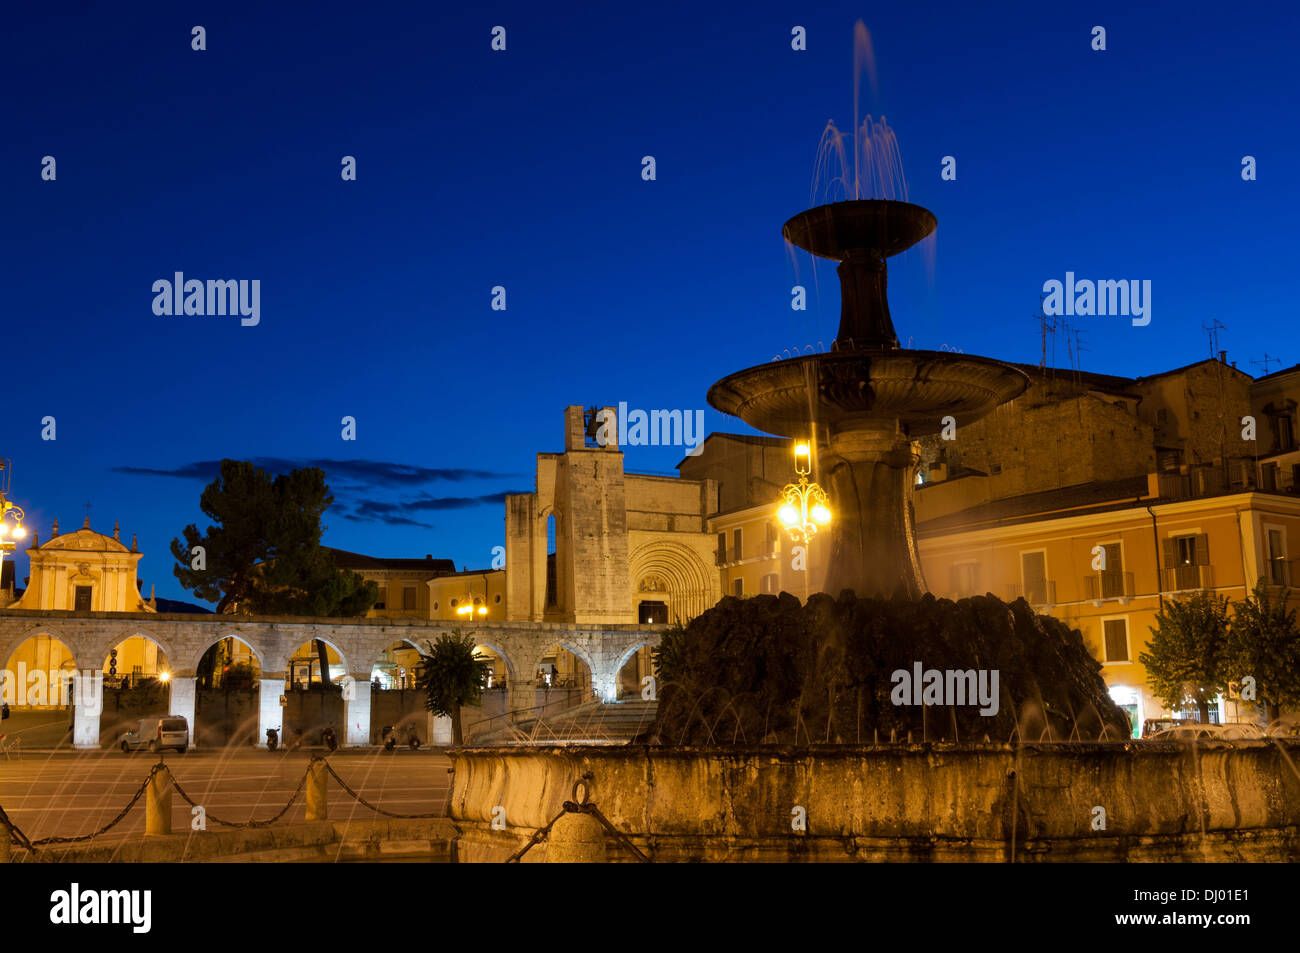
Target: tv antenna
(1266, 361)
(1212, 332)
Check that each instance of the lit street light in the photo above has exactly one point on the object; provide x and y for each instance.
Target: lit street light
(806, 506)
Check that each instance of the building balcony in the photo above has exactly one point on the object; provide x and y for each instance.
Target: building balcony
(1040, 596)
(1099, 587)
(1186, 578)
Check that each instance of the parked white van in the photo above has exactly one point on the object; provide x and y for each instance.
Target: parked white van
(157, 732)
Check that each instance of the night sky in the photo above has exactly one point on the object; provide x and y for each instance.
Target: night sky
(523, 169)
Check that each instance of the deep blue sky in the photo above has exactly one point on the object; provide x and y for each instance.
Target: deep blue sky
(522, 169)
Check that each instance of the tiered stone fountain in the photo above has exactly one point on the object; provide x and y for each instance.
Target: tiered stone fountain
(870, 398)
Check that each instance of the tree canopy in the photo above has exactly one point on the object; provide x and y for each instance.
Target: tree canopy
(451, 675)
(263, 553)
(1189, 653)
(1264, 645)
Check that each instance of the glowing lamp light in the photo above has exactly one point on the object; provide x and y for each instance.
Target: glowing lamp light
(165, 676)
(805, 506)
(19, 532)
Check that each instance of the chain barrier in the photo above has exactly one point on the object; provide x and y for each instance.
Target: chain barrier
(44, 841)
(245, 824)
(364, 803)
(583, 806)
(12, 831)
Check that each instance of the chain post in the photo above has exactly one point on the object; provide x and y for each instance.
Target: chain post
(316, 798)
(158, 802)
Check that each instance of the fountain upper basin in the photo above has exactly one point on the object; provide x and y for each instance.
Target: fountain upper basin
(879, 226)
(916, 388)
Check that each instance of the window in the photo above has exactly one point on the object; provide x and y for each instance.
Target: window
(771, 583)
(722, 548)
(408, 597)
(1116, 632)
(1285, 435)
(773, 544)
(1033, 568)
(552, 583)
(1184, 555)
(995, 469)
(735, 544)
(381, 599)
(1277, 574)
(964, 579)
(738, 587)
(1112, 577)
(82, 603)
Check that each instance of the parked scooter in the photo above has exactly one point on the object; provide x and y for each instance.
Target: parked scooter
(389, 737)
(412, 739)
(272, 739)
(330, 741)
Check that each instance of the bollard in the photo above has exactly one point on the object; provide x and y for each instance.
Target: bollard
(316, 777)
(158, 804)
(576, 838)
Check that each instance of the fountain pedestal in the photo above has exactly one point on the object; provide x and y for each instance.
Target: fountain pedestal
(869, 473)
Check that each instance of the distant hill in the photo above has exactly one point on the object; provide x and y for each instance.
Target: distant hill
(175, 605)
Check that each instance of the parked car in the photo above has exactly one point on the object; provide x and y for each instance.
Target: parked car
(1288, 726)
(1195, 732)
(1154, 725)
(156, 733)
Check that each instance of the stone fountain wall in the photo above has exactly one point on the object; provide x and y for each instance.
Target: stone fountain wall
(1038, 802)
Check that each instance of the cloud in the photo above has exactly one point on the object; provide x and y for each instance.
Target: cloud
(364, 472)
(355, 482)
(399, 513)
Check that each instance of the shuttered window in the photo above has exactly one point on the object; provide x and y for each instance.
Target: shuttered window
(1116, 631)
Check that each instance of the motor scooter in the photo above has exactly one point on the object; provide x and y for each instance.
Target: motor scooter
(389, 736)
(272, 739)
(330, 741)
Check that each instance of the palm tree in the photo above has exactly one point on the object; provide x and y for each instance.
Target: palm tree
(451, 676)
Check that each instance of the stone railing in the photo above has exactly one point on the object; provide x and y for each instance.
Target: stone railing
(1136, 801)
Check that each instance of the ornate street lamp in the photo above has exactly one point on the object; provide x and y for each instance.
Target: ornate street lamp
(469, 609)
(11, 516)
(805, 506)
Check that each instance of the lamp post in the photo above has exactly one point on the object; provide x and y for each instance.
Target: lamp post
(8, 512)
(469, 610)
(805, 506)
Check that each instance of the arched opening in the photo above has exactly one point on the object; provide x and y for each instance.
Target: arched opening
(37, 685)
(313, 693)
(395, 701)
(136, 684)
(674, 575)
(493, 711)
(636, 666)
(552, 569)
(563, 679)
(226, 694)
